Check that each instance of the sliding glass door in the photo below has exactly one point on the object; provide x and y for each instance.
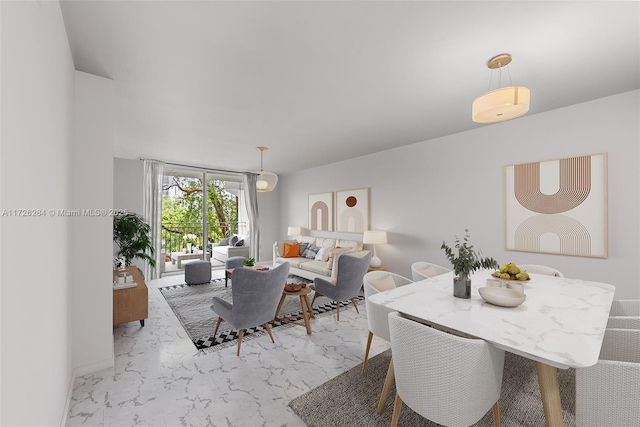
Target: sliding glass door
(191, 223)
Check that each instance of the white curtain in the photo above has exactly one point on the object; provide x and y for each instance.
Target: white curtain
(251, 200)
(152, 210)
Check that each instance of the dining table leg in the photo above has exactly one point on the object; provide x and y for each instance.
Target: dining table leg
(550, 393)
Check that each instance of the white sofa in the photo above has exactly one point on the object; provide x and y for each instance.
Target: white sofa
(312, 268)
(222, 252)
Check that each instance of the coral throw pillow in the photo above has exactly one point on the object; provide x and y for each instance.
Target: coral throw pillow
(291, 251)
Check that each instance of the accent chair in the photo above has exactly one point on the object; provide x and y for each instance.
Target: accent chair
(351, 271)
(255, 298)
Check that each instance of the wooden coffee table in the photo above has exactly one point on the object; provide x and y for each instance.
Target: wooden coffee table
(307, 311)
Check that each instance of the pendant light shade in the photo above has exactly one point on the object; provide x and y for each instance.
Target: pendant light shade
(501, 104)
(267, 181)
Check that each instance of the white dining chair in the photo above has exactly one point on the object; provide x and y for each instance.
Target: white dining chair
(608, 393)
(446, 378)
(540, 269)
(377, 318)
(425, 270)
(625, 307)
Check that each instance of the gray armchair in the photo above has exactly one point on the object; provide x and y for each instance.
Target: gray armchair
(351, 270)
(255, 298)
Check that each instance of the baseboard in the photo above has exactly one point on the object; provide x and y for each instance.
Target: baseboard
(67, 403)
(94, 367)
(78, 372)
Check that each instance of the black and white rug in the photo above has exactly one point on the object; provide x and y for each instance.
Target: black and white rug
(192, 306)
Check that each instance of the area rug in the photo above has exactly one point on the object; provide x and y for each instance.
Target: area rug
(351, 399)
(192, 306)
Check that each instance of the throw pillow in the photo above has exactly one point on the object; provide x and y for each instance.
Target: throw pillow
(383, 284)
(240, 243)
(311, 252)
(233, 240)
(224, 242)
(429, 271)
(323, 254)
(338, 251)
(291, 251)
(303, 247)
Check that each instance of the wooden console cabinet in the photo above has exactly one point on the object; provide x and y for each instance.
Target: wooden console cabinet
(131, 304)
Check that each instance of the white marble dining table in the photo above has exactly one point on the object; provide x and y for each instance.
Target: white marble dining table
(561, 323)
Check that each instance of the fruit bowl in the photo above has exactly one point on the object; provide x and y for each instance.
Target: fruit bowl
(511, 272)
(504, 297)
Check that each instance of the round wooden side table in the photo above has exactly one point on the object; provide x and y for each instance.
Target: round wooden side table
(307, 311)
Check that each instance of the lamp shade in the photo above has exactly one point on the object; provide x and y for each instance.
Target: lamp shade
(266, 182)
(374, 237)
(294, 231)
(501, 104)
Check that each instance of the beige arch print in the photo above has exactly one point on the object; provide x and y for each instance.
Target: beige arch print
(574, 182)
(573, 236)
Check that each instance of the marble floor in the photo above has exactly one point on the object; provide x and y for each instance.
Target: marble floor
(160, 379)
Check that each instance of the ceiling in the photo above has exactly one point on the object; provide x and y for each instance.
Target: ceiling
(205, 82)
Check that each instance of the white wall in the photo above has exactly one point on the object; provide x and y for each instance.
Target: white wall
(127, 184)
(93, 235)
(427, 192)
(37, 83)
(127, 191)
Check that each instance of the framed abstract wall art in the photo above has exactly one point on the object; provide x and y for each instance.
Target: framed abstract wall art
(321, 211)
(352, 210)
(557, 206)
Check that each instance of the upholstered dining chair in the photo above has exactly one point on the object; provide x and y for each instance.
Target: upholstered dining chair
(446, 378)
(378, 320)
(351, 271)
(607, 393)
(540, 269)
(425, 270)
(255, 298)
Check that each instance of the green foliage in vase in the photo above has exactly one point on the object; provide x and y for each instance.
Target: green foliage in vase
(249, 262)
(131, 234)
(467, 260)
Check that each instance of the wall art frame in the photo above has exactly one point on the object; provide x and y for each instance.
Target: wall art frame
(352, 210)
(557, 206)
(321, 211)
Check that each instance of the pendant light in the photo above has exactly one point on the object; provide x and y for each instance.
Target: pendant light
(503, 103)
(266, 180)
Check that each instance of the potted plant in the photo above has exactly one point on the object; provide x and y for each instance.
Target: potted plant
(190, 240)
(465, 262)
(249, 262)
(131, 234)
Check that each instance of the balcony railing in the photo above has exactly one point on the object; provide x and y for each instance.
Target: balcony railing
(173, 233)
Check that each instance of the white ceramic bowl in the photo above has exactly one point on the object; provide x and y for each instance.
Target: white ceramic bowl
(503, 297)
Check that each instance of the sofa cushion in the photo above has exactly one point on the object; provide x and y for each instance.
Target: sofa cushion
(308, 239)
(291, 250)
(233, 240)
(239, 243)
(294, 262)
(357, 246)
(224, 242)
(318, 267)
(338, 251)
(325, 243)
